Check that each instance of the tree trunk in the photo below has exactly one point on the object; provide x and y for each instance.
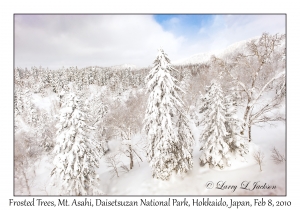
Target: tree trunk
(249, 132)
(131, 157)
(260, 166)
(26, 181)
(246, 118)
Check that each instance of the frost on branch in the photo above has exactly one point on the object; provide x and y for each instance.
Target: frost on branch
(77, 155)
(168, 149)
(234, 125)
(185, 144)
(277, 157)
(259, 72)
(259, 158)
(215, 150)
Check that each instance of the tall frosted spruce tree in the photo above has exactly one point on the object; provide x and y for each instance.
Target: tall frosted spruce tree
(221, 133)
(169, 137)
(234, 125)
(215, 148)
(77, 154)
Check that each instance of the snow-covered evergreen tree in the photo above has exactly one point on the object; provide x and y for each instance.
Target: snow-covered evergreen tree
(97, 112)
(27, 107)
(45, 132)
(234, 126)
(166, 150)
(185, 144)
(77, 155)
(18, 102)
(186, 77)
(215, 148)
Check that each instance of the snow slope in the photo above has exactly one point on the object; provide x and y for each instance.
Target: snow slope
(125, 66)
(204, 57)
(139, 180)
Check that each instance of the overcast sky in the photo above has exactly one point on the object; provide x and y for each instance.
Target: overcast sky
(54, 41)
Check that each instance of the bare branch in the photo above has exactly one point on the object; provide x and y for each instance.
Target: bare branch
(259, 157)
(277, 157)
(113, 162)
(278, 76)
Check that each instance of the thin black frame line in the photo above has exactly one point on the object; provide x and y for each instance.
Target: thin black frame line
(286, 154)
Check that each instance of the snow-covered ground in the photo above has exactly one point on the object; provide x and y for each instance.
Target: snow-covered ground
(204, 57)
(140, 182)
(199, 181)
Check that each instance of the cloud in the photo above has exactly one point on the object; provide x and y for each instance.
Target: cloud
(83, 40)
(174, 20)
(228, 29)
(212, 33)
(105, 40)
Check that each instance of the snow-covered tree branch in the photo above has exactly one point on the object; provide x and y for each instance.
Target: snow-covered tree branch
(167, 150)
(259, 71)
(77, 155)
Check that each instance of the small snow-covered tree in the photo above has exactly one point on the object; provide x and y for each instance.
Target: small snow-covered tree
(18, 100)
(113, 163)
(277, 157)
(45, 132)
(234, 125)
(128, 148)
(166, 151)
(97, 112)
(215, 148)
(185, 144)
(259, 158)
(186, 77)
(125, 120)
(77, 155)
